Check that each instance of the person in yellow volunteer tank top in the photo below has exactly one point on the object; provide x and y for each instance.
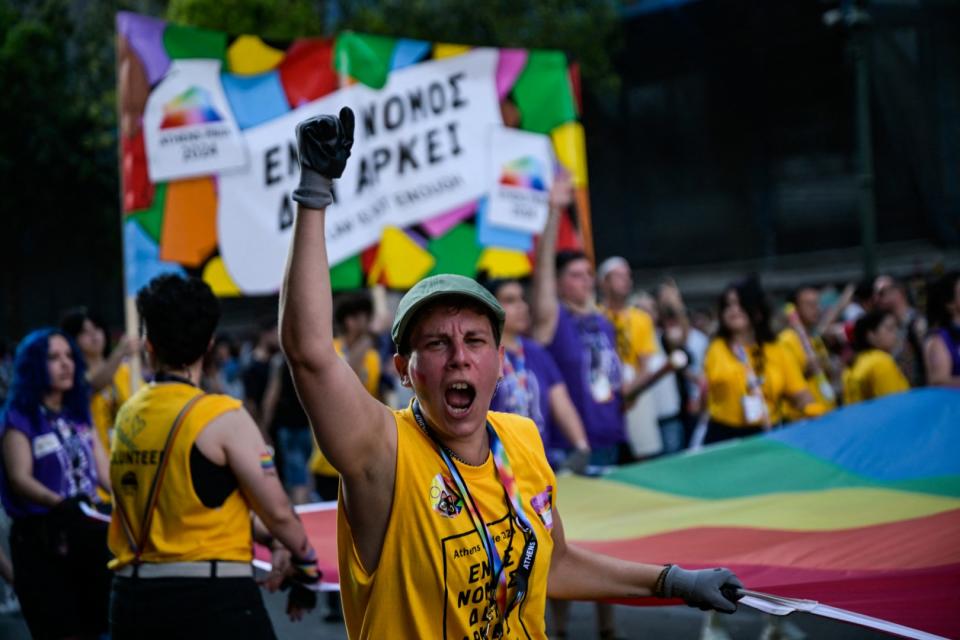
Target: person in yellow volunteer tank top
(748, 374)
(802, 345)
(188, 468)
(873, 372)
(448, 512)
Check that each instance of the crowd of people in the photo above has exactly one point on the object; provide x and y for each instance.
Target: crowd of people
(607, 374)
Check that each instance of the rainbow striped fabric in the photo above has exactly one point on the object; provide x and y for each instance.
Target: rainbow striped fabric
(859, 510)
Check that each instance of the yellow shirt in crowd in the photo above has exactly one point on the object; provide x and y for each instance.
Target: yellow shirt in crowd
(791, 343)
(636, 335)
(430, 581)
(727, 381)
(874, 373)
(183, 529)
(105, 403)
(370, 378)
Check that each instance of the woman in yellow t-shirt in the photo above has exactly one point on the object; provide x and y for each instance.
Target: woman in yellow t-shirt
(873, 372)
(109, 376)
(748, 374)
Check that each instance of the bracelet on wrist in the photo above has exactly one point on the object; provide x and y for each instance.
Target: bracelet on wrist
(661, 579)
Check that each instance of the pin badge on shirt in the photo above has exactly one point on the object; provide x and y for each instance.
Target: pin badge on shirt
(443, 499)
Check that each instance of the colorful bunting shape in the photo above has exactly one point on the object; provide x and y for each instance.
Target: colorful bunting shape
(138, 191)
(409, 52)
(215, 274)
(193, 42)
(443, 223)
(142, 258)
(401, 261)
(443, 50)
(509, 67)
(255, 99)
(249, 55)
(364, 57)
(570, 146)
(307, 72)
(504, 263)
(543, 92)
(189, 221)
(456, 251)
(146, 37)
(347, 275)
(151, 220)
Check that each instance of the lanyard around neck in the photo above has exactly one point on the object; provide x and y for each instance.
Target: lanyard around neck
(511, 490)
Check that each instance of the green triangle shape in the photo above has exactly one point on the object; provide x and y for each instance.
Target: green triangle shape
(347, 274)
(151, 220)
(364, 57)
(456, 251)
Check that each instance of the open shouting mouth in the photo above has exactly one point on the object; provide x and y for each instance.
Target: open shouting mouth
(459, 397)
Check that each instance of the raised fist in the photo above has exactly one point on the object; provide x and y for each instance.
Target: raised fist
(324, 144)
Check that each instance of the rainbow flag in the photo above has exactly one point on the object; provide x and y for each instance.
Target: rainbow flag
(859, 510)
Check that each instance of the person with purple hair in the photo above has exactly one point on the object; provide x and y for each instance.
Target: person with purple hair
(53, 462)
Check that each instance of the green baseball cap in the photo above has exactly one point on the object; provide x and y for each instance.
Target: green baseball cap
(441, 286)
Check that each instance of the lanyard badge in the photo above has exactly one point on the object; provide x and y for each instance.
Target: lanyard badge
(521, 576)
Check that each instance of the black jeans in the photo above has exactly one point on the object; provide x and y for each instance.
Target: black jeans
(719, 432)
(162, 608)
(62, 580)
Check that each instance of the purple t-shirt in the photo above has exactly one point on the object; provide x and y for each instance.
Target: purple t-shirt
(62, 459)
(584, 348)
(528, 376)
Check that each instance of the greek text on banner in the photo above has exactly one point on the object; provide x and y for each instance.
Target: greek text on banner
(420, 150)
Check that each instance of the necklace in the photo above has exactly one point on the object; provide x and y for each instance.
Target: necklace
(450, 452)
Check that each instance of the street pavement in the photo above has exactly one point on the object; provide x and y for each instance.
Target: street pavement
(633, 623)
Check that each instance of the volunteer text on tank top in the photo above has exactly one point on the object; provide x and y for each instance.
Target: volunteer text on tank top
(189, 523)
(434, 573)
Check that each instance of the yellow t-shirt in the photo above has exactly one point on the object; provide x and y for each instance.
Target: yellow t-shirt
(727, 381)
(105, 403)
(183, 529)
(370, 377)
(874, 373)
(790, 341)
(431, 577)
(636, 335)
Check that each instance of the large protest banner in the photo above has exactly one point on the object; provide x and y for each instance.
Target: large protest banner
(455, 150)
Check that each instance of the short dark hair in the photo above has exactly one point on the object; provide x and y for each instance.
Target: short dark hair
(452, 302)
(352, 305)
(179, 316)
(866, 324)
(565, 257)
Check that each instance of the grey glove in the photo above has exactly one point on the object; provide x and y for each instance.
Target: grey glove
(705, 589)
(324, 144)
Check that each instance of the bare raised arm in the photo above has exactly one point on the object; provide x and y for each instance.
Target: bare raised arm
(544, 303)
(354, 431)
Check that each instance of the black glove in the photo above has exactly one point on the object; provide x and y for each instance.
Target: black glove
(300, 599)
(705, 589)
(68, 512)
(324, 144)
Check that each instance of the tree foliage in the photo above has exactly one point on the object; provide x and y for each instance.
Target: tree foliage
(588, 30)
(276, 19)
